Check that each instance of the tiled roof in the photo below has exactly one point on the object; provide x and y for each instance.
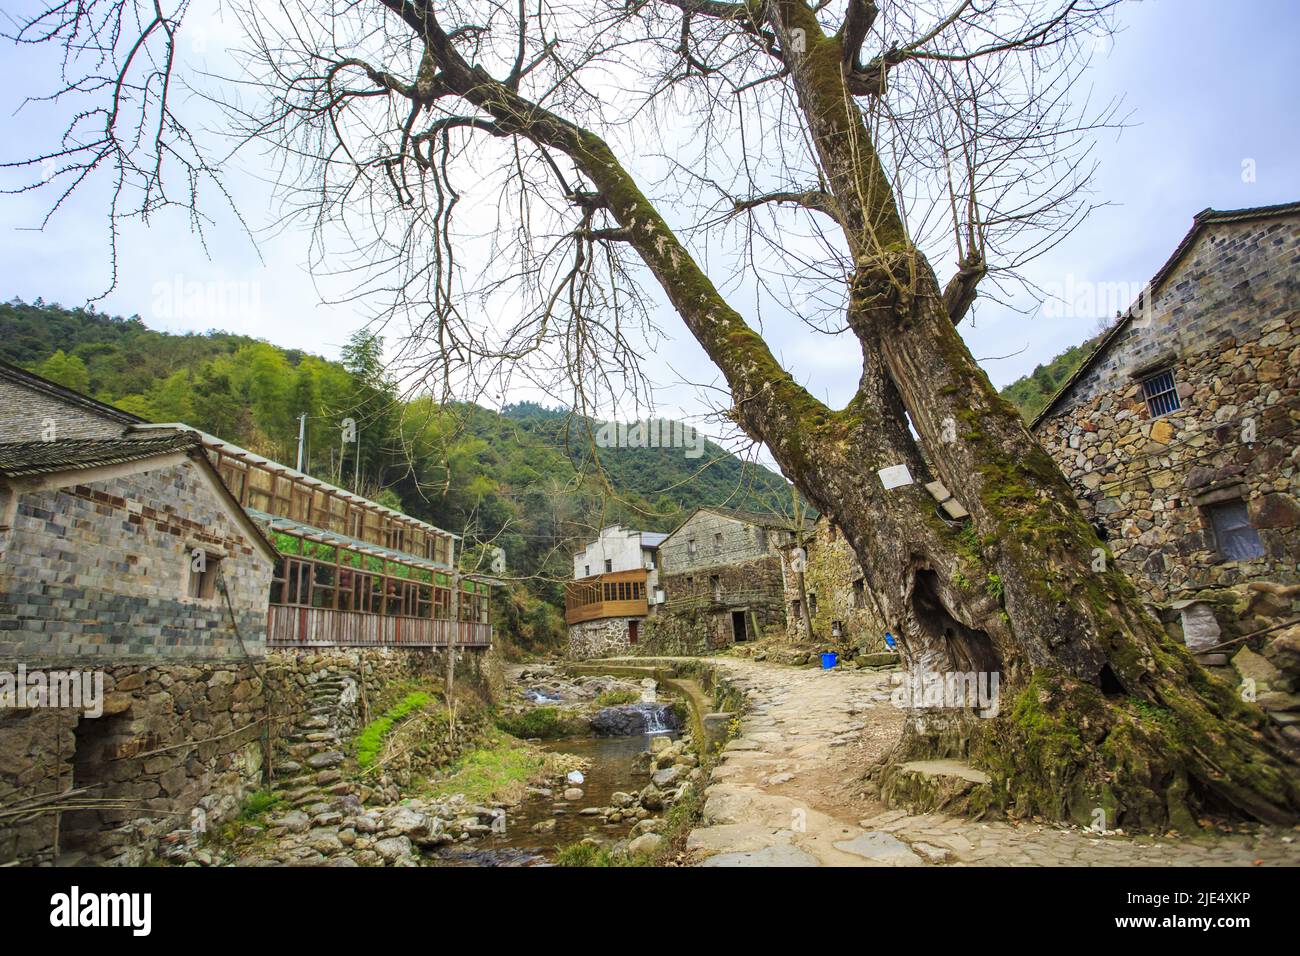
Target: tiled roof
(37, 383)
(24, 459)
(1202, 219)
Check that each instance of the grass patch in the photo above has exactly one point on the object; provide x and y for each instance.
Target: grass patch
(256, 804)
(371, 739)
(499, 769)
(589, 855)
(615, 698)
(541, 722)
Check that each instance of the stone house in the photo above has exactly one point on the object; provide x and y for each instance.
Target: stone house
(720, 573)
(615, 588)
(125, 565)
(1181, 431)
(1181, 436)
(843, 611)
(159, 564)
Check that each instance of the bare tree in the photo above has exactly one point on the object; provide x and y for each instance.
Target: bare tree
(469, 160)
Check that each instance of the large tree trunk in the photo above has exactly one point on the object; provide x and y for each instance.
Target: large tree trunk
(1099, 707)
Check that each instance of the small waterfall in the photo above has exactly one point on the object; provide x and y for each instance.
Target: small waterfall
(654, 715)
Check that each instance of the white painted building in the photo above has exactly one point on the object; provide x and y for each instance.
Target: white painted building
(621, 549)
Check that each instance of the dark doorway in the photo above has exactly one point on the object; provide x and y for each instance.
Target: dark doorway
(738, 631)
(79, 830)
(633, 631)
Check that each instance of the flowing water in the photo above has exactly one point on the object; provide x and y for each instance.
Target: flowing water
(610, 770)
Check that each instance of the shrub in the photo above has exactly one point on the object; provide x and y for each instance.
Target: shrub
(542, 722)
(613, 698)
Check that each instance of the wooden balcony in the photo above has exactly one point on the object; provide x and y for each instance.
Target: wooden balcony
(616, 594)
(291, 626)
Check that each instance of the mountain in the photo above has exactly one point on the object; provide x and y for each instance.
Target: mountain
(526, 478)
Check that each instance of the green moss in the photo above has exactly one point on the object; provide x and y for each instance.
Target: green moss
(371, 738)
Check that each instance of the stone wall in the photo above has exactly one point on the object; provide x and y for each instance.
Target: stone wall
(606, 637)
(180, 746)
(1227, 323)
(100, 572)
(171, 738)
(707, 540)
(696, 618)
(836, 591)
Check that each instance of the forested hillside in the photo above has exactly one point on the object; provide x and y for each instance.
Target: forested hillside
(525, 478)
(1030, 393)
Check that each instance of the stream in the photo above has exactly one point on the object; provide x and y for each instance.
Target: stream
(610, 761)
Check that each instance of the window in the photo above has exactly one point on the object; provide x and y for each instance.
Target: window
(609, 565)
(796, 609)
(586, 571)
(715, 584)
(859, 594)
(812, 603)
(691, 547)
(1161, 394)
(1234, 535)
(203, 575)
(717, 541)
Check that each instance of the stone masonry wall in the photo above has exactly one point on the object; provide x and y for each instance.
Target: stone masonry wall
(1227, 322)
(696, 615)
(172, 738)
(718, 541)
(180, 746)
(830, 572)
(100, 571)
(605, 637)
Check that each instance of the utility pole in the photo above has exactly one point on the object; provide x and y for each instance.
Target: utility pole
(302, 437)
(356, 471)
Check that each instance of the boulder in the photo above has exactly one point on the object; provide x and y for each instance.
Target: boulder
(393, 849)
(666, 778)
(652, 798)
(645, 844)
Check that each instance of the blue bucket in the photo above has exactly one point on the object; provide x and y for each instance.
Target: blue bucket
(829, 660)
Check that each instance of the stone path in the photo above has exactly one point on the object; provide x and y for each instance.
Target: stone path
(788, 792)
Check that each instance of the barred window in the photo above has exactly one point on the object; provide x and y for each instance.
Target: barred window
(1161, 394)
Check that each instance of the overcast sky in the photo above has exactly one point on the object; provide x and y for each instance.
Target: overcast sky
(1210, 88)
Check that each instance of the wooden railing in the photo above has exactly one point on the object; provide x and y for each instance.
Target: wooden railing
(322, 627)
